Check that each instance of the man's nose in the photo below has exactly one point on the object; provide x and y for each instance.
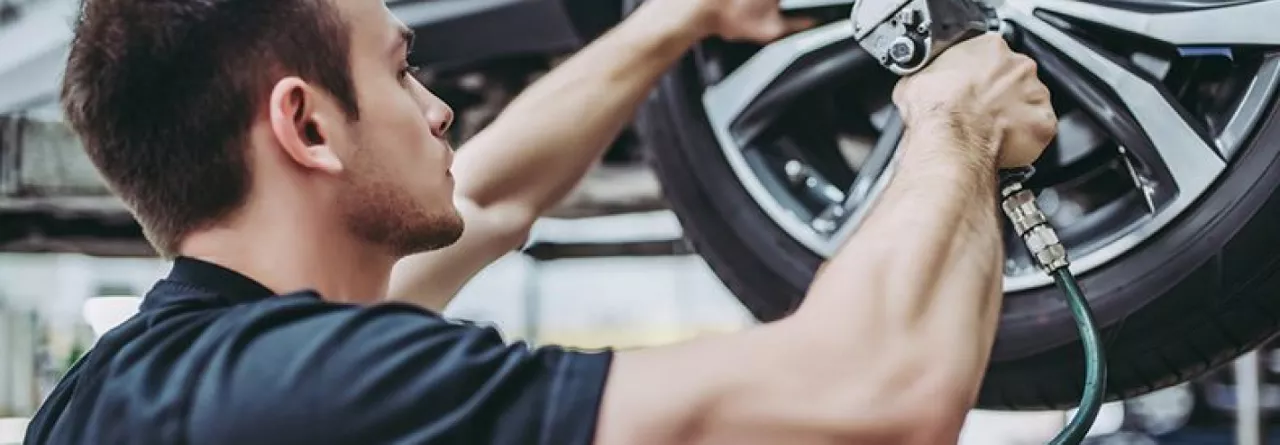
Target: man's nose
(440, 116)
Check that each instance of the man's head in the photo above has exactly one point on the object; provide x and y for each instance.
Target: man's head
(196, 110)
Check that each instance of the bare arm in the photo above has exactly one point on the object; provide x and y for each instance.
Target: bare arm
(887, 348)
(546, 139)
(544, 142)
(895, 333)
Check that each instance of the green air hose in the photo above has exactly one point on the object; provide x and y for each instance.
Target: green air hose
(1042, 242)
(1095, 374)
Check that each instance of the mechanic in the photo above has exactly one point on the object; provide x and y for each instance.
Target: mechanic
(284, 155)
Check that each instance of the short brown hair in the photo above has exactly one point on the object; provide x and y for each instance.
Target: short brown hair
(162, 94)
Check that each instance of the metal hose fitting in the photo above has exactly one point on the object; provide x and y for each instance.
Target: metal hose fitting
(1031, 224)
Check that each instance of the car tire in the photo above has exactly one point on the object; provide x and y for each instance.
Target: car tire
(1198, 294)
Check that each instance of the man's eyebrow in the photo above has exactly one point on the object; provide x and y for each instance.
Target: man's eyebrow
(405, 40)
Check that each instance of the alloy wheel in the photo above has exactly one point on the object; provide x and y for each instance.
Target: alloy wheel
(1154, 100)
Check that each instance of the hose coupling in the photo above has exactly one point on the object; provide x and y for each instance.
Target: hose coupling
(1031, 224)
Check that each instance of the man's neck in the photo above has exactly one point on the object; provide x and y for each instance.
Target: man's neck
(287, 258)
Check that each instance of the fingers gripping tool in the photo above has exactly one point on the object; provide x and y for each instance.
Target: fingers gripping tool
(905, 36)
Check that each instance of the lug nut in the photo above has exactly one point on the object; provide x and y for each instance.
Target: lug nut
(796, 171)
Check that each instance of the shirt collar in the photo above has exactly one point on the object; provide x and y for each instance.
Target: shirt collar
(191, 278)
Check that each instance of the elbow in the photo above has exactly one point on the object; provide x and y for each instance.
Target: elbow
(903, 399)
(512, 235)
(933, 420)
(510, 226)
(500, 226)
(909, 419)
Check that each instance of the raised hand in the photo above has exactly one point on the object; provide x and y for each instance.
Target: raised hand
(756, 21)
(989, 92)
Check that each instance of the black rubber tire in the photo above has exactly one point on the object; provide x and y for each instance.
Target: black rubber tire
(1203, 291)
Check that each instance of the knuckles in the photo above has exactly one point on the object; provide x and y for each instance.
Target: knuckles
(968, 76)
(1026, 64)
(993, 41)
(1043, 130)
(1049, 127)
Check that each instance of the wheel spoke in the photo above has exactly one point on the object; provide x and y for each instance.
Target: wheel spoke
(858, 207)
(741, 105)
(1142, 117)
(877, 161)
(1252, 107)
(842, 218)
(1252, 23)
(746, 99)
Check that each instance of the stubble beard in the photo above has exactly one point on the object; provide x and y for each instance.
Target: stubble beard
(382, 214)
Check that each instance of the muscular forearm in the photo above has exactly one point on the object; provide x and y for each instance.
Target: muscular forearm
(892, 340)
(917, 289)
(888, 346)
(547, 138)
(926, 257)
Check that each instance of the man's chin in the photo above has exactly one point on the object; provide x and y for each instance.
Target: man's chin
(436, 234)
(454, 230)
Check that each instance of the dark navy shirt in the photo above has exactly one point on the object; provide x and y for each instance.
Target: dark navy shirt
(215, 358)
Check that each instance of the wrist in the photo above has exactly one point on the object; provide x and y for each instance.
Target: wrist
(950, 150)
(977, 137)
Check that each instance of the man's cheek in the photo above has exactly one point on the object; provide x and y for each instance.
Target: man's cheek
(416, 160)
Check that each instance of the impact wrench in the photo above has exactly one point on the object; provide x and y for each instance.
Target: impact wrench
(904, 36)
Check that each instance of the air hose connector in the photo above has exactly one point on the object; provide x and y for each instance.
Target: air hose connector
(1031, 224)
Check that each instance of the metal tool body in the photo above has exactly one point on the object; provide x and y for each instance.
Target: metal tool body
(905, 35)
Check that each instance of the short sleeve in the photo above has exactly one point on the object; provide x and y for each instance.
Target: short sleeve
(310, 373)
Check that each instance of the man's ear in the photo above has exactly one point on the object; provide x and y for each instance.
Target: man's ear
(299, 127)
